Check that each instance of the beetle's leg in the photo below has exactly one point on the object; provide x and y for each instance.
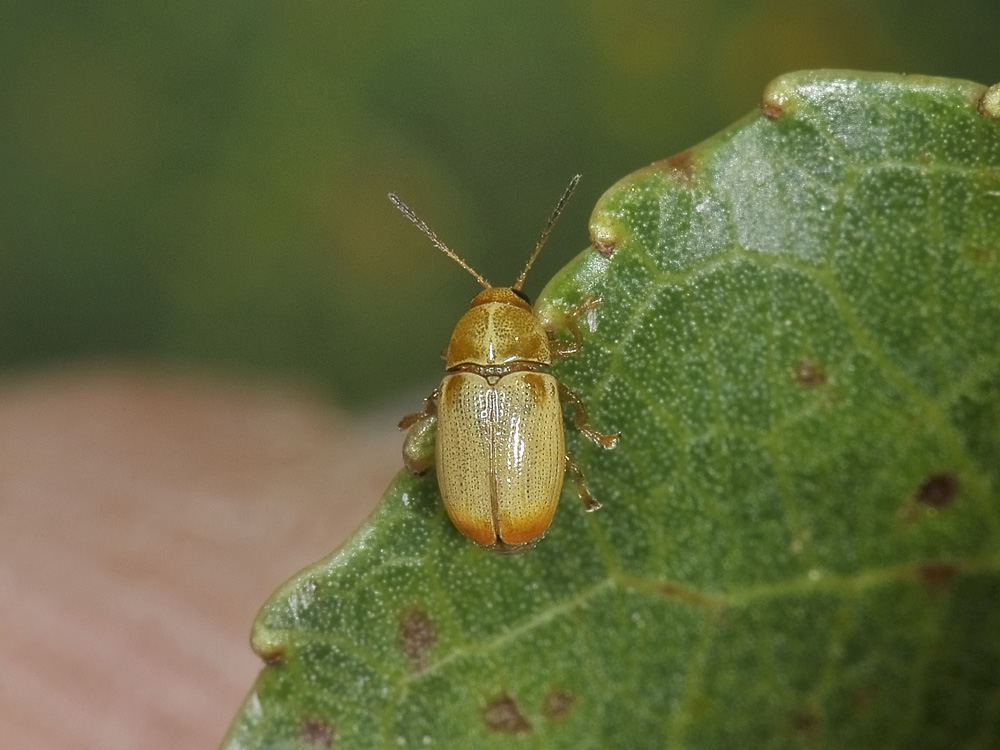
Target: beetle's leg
(430, 410)
(583, 424)
(590, 502)
(563, 349)
(418, 447)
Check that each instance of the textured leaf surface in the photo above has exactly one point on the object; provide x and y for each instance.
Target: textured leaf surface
(800, 539)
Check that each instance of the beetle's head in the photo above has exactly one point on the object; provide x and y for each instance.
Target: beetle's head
(504, 295)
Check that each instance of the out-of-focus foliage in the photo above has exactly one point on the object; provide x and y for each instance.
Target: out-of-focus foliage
(206, 182)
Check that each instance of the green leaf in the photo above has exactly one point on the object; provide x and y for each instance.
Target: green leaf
(800, 539)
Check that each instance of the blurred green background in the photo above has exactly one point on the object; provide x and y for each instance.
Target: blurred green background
(204, 182)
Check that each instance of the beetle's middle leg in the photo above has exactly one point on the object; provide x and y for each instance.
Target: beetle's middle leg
(590, 503)
(418, 447)
(563, 349)
(583, 423)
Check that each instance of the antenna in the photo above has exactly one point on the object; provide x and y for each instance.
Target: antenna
(548, 229)
(408, 213)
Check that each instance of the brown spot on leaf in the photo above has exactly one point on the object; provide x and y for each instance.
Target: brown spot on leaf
(938, 490)
(607, 250)
(606, 232)
(503, 715)
(603, 238)
(274, 656)
(417, 635)
(937, 576)
(809, 372)
(772, 109)
(778, 97)
(805, 721)
(317, 733)
(686, 595)
(989, 102)
(558, 703)
(682, 164)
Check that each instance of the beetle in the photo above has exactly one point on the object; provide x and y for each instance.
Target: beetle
(494, 427)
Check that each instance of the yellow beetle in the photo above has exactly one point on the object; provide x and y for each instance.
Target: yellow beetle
(494, 426)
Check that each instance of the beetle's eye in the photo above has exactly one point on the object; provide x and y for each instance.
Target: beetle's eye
(523, 296)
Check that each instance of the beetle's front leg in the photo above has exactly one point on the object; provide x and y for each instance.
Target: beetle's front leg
(418, 447)
(563, 349)
(583, 424)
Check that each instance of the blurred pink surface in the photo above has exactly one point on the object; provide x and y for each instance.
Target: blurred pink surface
(144, 518)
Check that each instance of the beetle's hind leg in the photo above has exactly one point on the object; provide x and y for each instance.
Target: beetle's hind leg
(590, 503)
(418, 447)
(563, 349)
(583, 424)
